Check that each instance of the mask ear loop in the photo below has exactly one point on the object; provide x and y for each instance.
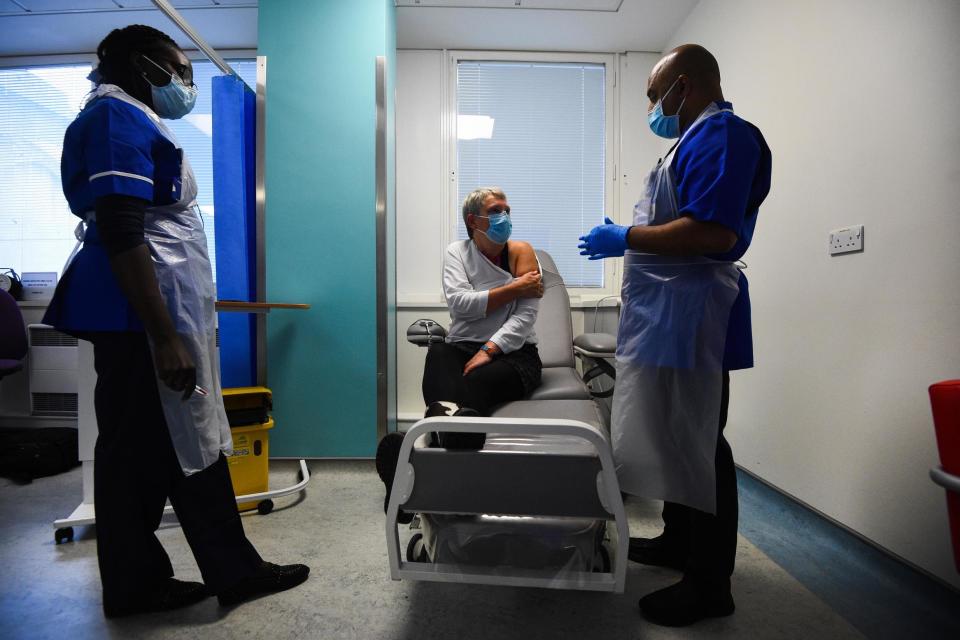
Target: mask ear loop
(660, 101)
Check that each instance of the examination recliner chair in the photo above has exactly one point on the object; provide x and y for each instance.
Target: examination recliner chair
(531, 508)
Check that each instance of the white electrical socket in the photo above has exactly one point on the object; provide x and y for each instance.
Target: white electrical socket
(846, 240)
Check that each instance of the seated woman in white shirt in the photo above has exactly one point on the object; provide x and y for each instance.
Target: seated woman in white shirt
(492, 286)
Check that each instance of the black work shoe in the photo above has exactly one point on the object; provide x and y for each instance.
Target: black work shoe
(270, 578)
(658, 552)
(686, 602)
(388, 454)
(170, 594)
(462, 441)
(436, 409)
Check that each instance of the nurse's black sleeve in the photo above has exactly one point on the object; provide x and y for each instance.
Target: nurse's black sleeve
(120, 222)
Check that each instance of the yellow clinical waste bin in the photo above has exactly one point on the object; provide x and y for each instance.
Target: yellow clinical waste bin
(248, 412)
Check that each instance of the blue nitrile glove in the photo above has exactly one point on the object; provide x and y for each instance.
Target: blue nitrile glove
(604, 241)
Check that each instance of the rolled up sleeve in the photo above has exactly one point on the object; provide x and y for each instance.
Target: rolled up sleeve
(464, 302)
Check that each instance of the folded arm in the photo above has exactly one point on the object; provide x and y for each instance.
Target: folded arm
(469, 304)
(684, 236)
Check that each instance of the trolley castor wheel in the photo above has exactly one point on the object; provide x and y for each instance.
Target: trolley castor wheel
(264, 507)
(416, 551)
(63, 535)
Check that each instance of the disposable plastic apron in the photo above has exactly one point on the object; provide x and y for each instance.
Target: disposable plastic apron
(672, 334)
(178, 247)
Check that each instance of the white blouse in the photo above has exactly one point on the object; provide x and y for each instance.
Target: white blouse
(468, 277)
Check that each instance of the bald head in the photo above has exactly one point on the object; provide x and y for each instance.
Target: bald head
(693, 61)
(687, 79)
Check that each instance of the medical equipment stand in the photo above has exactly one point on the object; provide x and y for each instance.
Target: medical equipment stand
(84, 514)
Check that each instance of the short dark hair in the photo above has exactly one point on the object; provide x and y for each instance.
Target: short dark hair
(115, 50)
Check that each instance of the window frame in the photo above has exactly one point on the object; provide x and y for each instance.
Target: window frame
(611, 268)
(90, 59)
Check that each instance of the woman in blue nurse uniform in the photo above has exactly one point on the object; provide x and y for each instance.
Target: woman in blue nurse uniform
(684, 325)
(141, 290)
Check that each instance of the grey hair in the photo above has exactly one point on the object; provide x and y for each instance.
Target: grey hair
(473, 203)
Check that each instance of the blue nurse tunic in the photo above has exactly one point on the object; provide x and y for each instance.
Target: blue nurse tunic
(111, 148)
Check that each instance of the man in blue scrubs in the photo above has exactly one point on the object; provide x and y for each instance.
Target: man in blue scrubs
(718, 176)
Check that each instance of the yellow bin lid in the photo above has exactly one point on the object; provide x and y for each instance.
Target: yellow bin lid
(247, 397)
(231, 392)
(249, 428)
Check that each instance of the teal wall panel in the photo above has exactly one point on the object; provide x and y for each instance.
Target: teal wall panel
(320, 220)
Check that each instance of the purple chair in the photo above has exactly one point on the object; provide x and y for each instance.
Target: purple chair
(13, 336)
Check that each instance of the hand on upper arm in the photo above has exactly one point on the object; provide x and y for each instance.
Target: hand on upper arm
(528, 279)
(525, 258)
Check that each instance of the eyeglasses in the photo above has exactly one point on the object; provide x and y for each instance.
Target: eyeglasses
(181, 69)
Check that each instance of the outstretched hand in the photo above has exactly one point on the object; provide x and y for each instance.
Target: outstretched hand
(607, 240)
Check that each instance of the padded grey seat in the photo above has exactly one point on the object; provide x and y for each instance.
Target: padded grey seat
(582, 410)
(596, 345)
(560, 383)
(554, 328)
(529, 508)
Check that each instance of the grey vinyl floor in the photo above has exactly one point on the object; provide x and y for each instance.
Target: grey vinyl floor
(52, 591)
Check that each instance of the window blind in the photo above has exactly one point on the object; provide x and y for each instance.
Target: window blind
(546, 151)
(36, 106)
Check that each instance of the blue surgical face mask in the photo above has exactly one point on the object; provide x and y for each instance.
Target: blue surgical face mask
(499, 229)
(173, 100)
(665, 126)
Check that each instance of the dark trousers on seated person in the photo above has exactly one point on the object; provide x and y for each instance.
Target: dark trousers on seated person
(709, 541)
(136, 471)
(482, 390)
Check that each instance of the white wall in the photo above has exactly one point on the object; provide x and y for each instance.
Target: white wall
(423, 203)
(859, 102)
(636, 25)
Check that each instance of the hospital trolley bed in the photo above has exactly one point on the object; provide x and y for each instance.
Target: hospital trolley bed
(539, 505)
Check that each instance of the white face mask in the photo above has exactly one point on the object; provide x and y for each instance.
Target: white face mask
(173, 100)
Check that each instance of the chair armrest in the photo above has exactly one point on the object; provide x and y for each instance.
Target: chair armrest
(595, 345)
(946, 480)
(425, 332)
